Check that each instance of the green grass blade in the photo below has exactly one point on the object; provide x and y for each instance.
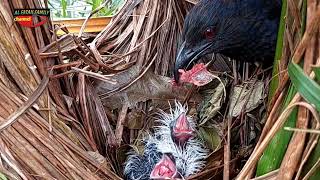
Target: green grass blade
(275, 81)
(272, 157)
(306, 86)
(274, 153)
(64, 8)
(3, 177)
(270, 160)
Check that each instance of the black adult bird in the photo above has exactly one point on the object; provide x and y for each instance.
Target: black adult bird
(244, 30)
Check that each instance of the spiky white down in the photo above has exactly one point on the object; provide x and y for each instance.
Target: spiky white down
(190, 158)
(139, 166)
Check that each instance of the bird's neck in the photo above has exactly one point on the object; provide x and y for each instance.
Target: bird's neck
(260, 37)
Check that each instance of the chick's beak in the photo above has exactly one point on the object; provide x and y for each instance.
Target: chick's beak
(164, 169)
(182, 130)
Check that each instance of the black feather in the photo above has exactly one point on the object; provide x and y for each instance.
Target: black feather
(245, 30)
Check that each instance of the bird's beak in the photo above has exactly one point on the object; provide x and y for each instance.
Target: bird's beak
(182, 60)
(164, 169)
(186, 57)
(182, 130)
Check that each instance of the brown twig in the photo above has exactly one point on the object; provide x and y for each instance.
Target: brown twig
(31, 100)
(120, 123)
(227, 152)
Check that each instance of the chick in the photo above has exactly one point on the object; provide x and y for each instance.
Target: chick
(152, 164)
(172, 151)
(177, 135)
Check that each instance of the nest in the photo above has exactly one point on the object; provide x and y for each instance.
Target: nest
(72, 106)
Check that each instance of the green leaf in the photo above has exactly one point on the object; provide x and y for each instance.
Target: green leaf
(211, 137)
(306, 86)
(3, 177)
(64, 8)
(272, 157)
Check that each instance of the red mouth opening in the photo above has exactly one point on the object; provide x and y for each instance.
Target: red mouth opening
(164, 169)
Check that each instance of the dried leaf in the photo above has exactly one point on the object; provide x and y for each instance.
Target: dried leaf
(213, 99)
(97, 156)
(242, 96)
(211, 136)
(135, 119)
(150, 86)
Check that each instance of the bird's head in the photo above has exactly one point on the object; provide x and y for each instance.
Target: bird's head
(165, 168)
(210, 27)
(175, 127)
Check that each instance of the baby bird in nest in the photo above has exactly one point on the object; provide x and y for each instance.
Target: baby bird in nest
(172, 152)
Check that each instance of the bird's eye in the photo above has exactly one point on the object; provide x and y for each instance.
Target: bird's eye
(209, 33)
